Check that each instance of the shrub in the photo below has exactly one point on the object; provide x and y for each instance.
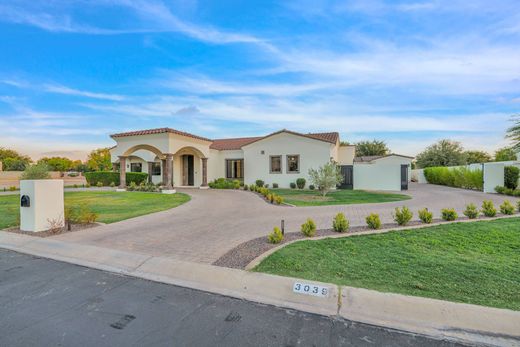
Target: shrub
(278, 199)
(222, 183)
(269, 197)
(518, 205)
(276, 236)
(373, 221)
(12, 188)
(259, 183)
(112, 184)
(300, 183)
(73, 174)
(511, 174)
(340, 223)
(36, 172)
(425, 216)
(275, 185)
(266, 185)
(246, 187)
(107, 177)
(292, 185)
(308, 228)
(75, 186)
(236, 184)
(131, 187)
(80, 214)
(471, 211)
(148, 187)
(252, 188)
(449, 214)
(488, 209)
(507, 208)
(460, 177)
(402, 216)
(311, 187)
(326, 177)
(99, 184)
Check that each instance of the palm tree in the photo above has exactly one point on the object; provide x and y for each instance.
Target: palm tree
(513, 132)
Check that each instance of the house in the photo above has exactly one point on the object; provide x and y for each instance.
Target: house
(177, 158)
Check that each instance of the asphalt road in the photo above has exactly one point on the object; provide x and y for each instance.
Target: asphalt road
(48, 303)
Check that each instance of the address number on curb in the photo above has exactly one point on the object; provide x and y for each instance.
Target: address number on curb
(310, 289)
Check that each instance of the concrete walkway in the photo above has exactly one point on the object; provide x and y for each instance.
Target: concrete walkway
(440, 319)
(215, 221)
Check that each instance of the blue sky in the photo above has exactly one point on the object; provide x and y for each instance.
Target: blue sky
(408, 72)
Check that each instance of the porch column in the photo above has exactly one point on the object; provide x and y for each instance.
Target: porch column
(150, 168)
(204, 172)
(122, 172)
(169, 171)
(163, 171)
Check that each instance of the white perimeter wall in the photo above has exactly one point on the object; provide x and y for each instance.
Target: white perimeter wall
(313, 154)
(382, 174)
(493, 176)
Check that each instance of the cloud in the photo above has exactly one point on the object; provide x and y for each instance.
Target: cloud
(60, 89)
(187, 110)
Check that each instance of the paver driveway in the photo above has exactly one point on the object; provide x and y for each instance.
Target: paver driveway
(215, 221)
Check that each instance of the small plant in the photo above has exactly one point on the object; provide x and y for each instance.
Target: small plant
(112, 184)
(278, 199)
(300, 182)
(425, 216)
(269, 197)
(252, 188)
(488, 209)
(308, 228)
(259, 183)
(36, 172)
(87, 185)
(275, 185)
(132, 187)
(507, 208)
(402, 216)
(267, 185)
(246, 187)
(449, 214)
(236, 184)
(292, 185)
(12, 188)
(312, 187)
(340, 223)
(275, 236)
(471, 211)
(373, 221)
(75, 186)
(99, 184)
(518, 206)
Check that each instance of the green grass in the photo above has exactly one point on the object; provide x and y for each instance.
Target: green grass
(299, 197)
(476, 263)
(111, 206)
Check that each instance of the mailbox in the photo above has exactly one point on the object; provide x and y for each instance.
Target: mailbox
(25, 201)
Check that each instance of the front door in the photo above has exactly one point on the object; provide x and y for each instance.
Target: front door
(347, 171)
(188, 174)
(404, 177)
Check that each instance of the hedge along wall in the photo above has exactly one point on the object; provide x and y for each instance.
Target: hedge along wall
(460, 177)
(107, 177)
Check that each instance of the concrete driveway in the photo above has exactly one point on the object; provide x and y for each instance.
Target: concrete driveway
(215, 221)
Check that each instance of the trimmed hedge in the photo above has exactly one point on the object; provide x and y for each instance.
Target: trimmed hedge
(460, 177)
(511, 174)
(107, 177)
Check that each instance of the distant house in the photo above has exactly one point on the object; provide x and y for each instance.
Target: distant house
(177, 158)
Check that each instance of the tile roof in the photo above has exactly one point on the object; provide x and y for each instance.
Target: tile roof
(326, 137)
(159, 131)
(230, 144)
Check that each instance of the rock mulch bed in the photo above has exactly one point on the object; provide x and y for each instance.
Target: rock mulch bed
(49, 233)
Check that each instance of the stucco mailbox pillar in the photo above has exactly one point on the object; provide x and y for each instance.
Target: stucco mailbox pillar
(41, 205)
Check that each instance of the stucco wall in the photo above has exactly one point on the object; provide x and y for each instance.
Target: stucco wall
(312, 154)
(346, 155)
(382, 174)
(217, 162)
(493, 176)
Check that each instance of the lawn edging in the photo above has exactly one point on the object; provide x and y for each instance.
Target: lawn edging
(439, 319)
(264, 255)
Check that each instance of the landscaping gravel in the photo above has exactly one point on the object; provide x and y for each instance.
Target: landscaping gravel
(48, 233)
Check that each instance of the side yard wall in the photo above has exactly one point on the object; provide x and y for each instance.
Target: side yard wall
(383, 174)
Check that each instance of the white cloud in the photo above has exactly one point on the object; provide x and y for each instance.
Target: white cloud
(60, 89)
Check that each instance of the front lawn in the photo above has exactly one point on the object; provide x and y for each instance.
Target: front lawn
(306, 197)
(476, 263)
(111, 206)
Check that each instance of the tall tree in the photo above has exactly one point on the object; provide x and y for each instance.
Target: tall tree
(99, 160)
(60, 164)
(473, 157)
(514, 133)
(505, 154)
(443, 153)
(374, 147)
(12, 160)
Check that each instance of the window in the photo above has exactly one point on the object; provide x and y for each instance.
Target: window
(235, 168)
(156, 169)
(293, 163)
(136, 167)
(275, 165)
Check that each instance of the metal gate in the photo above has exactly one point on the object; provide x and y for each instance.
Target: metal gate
(404, 177)
(347, 171)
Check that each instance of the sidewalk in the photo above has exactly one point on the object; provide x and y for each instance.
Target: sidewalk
(441, 319)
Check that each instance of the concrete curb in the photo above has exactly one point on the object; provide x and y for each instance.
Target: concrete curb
(264, 255)
(441, 319)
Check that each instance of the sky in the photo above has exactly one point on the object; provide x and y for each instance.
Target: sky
(408, 72)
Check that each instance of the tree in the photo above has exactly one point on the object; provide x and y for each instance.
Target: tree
(369, 148)
(477, 157)
(99, 160)
(326, 177)
(12, 160)
(36, 172)
(513, 133)
(443, 153)
(60, 164)
(505, 154)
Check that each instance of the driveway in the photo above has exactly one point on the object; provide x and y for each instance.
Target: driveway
(215, 221)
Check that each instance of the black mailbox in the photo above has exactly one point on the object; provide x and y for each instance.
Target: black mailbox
(25, 201)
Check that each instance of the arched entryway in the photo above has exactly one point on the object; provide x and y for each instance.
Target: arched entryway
(190, 166)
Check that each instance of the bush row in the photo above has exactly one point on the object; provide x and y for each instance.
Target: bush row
(507, 191)
(300, 184)
(222, 183)
(402, 216)
(266, 193)
(108, 178)
(460, 177)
